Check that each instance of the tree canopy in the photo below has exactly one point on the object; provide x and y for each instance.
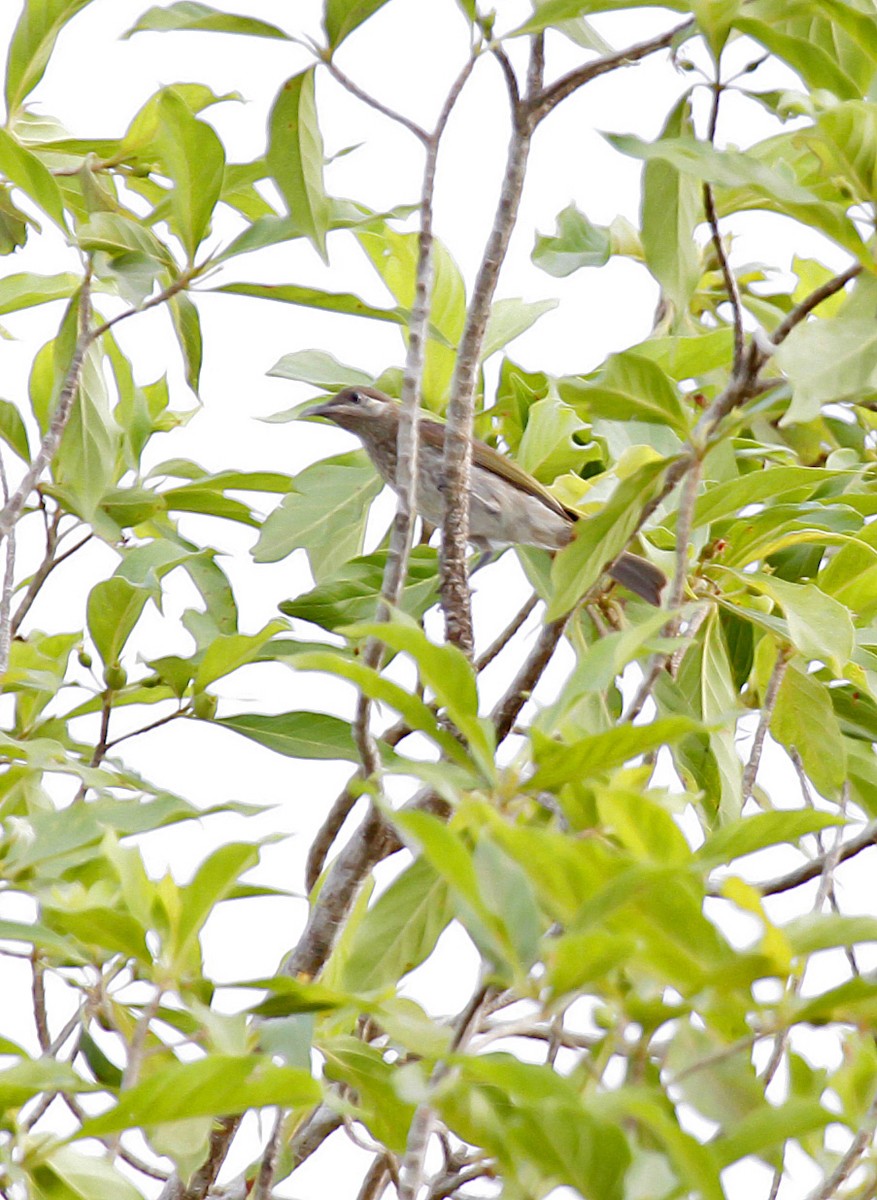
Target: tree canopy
(642, 991)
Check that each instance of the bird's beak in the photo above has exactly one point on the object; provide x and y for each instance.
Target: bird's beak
(318, 410)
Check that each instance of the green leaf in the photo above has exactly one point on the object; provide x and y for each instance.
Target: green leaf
(628, 388)
(221, 1083)
(297, 734)
(32, 43)
(290, 293)
(672, 208)
(28, 172)
(448, 674)
(598, 540)
(575, 243)
(773, 483)
(214, 881)
(295, 157)
(31, 1076)
(325, 514)
(372, 1081)
(549, 446)
(187, 326)
(188, 14)
(509, 319)
(823, 931)
(66, 1175)
(550, 13)
(399, 931)
(828, 44)
(320, 369)
(804, 720)
(352, 594)
(27, 289)
(193, 157)
(227, 654)
(557, 764)
(85, 464)
(415, 711)
(341, 17)
(114, 608)
(121, 237)
(753, 833)
(827, 361)
(819, 626)
(13, 430)
(767, 1127)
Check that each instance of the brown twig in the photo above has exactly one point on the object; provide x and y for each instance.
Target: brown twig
(709, 205)
(355, 90)
(457, 462)
(38, 995)
(857, 1147)
(413, 1164)
(771, 694)
(505, 713)
(87, 337)
(552, 95)
(830, 288)
(811, 870)
(499, 644)
(49, 563)
(8, 582)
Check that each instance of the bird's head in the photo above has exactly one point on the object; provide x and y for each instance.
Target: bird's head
(361, 410)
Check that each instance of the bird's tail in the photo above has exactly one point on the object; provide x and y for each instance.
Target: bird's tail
(640, 576)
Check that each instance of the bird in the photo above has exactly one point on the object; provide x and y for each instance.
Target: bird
(507, 507)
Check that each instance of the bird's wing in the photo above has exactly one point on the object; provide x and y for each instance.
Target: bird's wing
(432, 433)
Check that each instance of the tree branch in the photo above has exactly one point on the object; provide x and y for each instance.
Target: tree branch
(709, 205)
(814, 868)
(457, 463)
(750, 771)
(567, 84)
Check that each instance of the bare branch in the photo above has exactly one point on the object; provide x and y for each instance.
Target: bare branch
(551, 96)
(750, 771)
(355, 90)
(802, 310)
(45, 569)
(457, 464)
(813, 869)
(8, 582)
(52, 439)
(518, 692)
(728, 276)
(499, 644)
(830, 1187)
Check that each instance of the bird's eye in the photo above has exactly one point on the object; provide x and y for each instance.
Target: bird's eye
(354, 397)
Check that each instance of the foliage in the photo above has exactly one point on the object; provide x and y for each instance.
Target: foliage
(594, 871)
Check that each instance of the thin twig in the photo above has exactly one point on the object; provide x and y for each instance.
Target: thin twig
(825, 292)
(166, 720)
(38, 995)
(505, 713)
(49, 563)
(770, 700)
(413, 1164)
(8, 582)
(813, 869)
(552, 95)
(457, 460)
(709, 204)
(499, 644)
(376, 1179)
(87, 337)
(355, 90)
(857, 1147)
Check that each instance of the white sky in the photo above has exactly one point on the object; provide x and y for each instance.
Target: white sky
(407, 55)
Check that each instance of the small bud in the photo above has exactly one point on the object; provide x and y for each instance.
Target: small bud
(84, 658)
(115, 676)
(204, 706)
